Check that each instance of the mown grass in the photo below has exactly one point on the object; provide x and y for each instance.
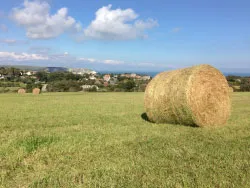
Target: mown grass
(101, 140)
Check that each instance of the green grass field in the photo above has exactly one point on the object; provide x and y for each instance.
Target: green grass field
(101, 140)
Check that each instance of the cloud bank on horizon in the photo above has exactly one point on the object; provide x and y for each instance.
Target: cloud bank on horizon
(68, 60)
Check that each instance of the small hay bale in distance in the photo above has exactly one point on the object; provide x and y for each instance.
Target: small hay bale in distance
(198, 95)
(231, 89)
(21, 91)
(36, 91)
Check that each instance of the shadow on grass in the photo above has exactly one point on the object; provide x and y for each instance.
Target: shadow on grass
(145, 118)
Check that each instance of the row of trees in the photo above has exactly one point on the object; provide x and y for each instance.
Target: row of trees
(245, 84)
(239, 83)
(66, 81)
(72, 86)
(58, 76)
(11, 71)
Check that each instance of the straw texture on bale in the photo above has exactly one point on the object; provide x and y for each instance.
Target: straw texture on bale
(36, 91)
(198, 95)
(21, 91)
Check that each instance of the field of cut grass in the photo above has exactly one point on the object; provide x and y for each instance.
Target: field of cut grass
(101, 140)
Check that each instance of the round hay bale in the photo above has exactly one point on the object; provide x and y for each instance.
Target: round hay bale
(197, 95)
(231, 89)
(36, 91)
(21, 91)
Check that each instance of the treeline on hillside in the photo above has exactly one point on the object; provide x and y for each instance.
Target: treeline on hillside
(12, 78)
(10, 71)
(239, 83)
(66, 82)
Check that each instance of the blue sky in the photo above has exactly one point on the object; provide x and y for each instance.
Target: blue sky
(126, 35)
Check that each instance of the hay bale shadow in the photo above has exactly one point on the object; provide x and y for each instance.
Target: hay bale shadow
(145, 118)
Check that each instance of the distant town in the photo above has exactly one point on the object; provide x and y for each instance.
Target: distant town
(59, 79)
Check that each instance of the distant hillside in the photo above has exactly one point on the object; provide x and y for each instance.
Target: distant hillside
(56, 69)
(24, 67)
(36, 68)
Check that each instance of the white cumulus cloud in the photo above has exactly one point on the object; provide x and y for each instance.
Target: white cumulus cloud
(35, 17)
(117, 24)
(112, 62)
(109, 24)
(107, 61)
(12, 56)
(89, 60)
